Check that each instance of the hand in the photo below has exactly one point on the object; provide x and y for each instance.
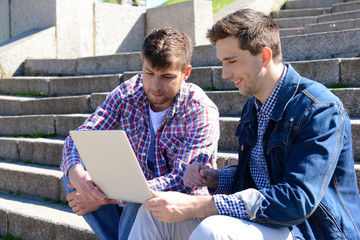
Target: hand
(80, 179)
(179, 207)
(87, 197)
(197, 174)
(81, 205)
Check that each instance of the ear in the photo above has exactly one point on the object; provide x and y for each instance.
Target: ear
(187, 72)
(266, 55)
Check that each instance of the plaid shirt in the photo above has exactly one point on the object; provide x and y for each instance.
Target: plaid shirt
(230, 204)
(189, 132)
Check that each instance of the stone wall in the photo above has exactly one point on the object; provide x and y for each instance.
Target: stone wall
(193, 17)
(4, 20)
(82, 28)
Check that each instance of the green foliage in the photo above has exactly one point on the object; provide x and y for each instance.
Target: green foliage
(29, 93)
(35, 134)
(339, 85)
(10, 237)
(217, 4)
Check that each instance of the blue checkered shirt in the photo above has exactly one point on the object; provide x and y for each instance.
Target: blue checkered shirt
(230, 204)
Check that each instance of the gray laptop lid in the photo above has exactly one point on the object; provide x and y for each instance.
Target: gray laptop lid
(112, 164)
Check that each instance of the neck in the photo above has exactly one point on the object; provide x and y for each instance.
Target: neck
(272, 77)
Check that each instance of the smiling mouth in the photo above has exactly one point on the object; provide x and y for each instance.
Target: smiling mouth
(237, 82)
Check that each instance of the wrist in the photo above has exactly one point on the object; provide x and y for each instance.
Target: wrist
(206, 207)
(214, 183)
(75, 172)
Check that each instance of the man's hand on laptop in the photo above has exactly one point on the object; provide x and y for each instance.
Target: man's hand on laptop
(87, 197)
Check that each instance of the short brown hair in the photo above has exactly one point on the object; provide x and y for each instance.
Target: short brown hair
(167, 46)
(254, 30)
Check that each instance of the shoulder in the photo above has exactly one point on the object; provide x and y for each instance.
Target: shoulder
(129, 89)
(196, 97)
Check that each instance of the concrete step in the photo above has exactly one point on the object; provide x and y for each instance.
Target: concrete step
(308, 8)
(230, 103)
(15, 105)
(33, 219)
(321, 45)
(344, 7)
(290, 13)
(321, 27)
(332, 26)
(43, 182)
(60, 125)
(295, 22)
(310, 3)
(326, 71)
(59, 86)
(48, 151)
(353, 14)
(307, 47)
(299, 22)
(41, 151)
(228, 141)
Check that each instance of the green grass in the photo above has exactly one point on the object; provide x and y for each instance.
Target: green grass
(339, 85)
(9, 237)
(217, 4)
(35, 134)
(31, 94)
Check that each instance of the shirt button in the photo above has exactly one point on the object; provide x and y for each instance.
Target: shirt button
(291, 119)
(242, 148)
(172, 147)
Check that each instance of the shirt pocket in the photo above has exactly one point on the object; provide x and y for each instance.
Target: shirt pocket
(170, 146)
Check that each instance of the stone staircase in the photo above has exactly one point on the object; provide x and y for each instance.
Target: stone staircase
(37, 110)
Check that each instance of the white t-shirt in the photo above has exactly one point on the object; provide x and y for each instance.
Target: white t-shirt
(157, 117)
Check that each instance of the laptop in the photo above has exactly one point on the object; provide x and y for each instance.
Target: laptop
(112, 164)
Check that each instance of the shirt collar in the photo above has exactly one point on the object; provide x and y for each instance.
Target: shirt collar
(267, 107)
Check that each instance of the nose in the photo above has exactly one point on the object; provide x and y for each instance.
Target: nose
(155, 84)
(225, 73)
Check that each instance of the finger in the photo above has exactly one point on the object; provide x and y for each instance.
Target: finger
(93, 192)
(154, 193)
(70, 185)
(71, 196)
(72, 204)
(192, 183)
(206, 172)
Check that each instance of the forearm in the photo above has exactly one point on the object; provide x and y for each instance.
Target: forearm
(204, 207)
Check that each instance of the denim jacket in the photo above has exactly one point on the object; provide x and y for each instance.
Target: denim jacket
(308, 151)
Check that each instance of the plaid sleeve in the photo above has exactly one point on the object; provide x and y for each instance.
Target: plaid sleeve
(105, 117)
(230, 205)
(225, 180)
(200, 144)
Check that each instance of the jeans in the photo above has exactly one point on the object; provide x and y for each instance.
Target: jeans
(110, 221)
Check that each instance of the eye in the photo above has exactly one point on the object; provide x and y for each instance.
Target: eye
(168, 77)
(232, 61)
(149, 73)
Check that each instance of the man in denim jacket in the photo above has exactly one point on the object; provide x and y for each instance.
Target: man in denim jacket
(295, 178)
